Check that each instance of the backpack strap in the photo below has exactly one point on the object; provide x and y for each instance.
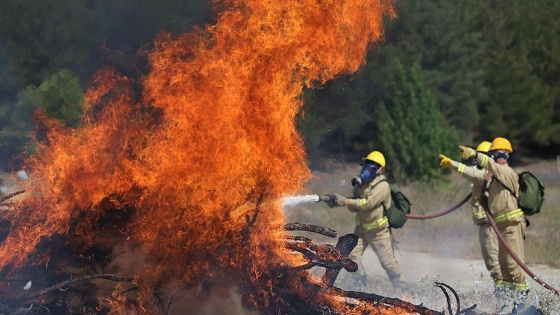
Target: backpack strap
(506, 187)
(382, 204)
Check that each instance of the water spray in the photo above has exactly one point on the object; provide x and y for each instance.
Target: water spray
(290, 201)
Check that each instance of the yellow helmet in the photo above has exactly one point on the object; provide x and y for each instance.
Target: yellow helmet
(500, 143)
(376, 157)
(484, 146)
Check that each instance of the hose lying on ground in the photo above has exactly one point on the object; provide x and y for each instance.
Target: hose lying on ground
(439, 213)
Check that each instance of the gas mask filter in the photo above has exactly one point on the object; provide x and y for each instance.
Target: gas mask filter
(368, 172)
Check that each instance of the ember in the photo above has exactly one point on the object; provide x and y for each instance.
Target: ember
(181, 172)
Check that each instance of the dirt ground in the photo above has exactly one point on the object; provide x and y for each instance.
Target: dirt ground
(467, 276)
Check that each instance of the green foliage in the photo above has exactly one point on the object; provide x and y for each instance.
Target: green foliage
(444, 39)
(524, 103)
(410, 128)
(491, 66)
(37, 38)
(61, 96)
(14, 134)
(331, 117)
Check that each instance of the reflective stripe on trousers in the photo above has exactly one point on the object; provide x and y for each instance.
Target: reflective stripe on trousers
(510, 214)
(373, 225)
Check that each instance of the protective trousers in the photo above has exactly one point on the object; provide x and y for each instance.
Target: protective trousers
(489, 246)
(380, 241)
(513, 233)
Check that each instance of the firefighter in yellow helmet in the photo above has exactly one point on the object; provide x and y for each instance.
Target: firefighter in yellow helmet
(505, 211)
(489, 244)
(371, 196)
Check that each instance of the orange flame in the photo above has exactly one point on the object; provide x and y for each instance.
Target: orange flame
(175, 172)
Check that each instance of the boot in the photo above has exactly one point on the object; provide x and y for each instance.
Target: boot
(400, 286)
(360, 282)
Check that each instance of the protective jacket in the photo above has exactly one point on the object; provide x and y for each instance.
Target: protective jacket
(370, 202)
(476, 177)
(372, 227)
(487, 238)
(509, 218)
(501, 202)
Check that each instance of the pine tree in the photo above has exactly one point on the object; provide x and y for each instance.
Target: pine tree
(444, 39)
(410, 128)
(523, 105)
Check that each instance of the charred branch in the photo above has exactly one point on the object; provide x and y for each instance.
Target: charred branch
(444, 287)
(310, 228)
(9, 196)
(345, 245)
(322, 255)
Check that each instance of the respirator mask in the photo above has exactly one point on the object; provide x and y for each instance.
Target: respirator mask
(495, 155)
(368, 172)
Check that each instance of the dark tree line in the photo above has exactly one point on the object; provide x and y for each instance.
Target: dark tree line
(490, 66)
(445, 72)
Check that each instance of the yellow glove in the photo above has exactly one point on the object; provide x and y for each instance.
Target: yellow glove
(467, 152)
(340, 200)
(444, 161)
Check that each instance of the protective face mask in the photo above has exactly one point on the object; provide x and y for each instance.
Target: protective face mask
(497, 155)
(368, 172)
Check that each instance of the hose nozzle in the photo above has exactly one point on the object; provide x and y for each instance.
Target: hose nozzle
(329, 199)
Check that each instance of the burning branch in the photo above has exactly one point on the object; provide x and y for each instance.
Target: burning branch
(381, 300)
(334, 258)
(326, 256)
(9, 196)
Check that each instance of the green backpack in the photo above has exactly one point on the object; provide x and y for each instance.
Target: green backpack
(531, 193)
(400, 207)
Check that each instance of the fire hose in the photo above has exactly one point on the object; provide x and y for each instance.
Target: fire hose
(505, 244)
(439, 213)
(331, 201)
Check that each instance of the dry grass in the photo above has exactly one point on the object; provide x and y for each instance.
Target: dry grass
(453, 235)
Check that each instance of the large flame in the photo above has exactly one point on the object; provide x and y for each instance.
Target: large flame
(177, 171)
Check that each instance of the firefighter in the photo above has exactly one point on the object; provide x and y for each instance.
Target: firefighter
(505, 211)
(371, 196)
(489, 244)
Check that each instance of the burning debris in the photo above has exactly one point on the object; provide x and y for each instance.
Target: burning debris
(173, 179)
(292, 290)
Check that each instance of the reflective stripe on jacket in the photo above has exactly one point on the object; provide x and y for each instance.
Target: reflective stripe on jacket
(501, 202)
(476, 177)
(369, 200)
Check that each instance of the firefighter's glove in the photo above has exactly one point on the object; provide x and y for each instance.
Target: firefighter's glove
(467, 152)
(444, 161)
(329, 199)
(340, 200)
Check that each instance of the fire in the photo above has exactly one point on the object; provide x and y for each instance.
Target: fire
(177, 171)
